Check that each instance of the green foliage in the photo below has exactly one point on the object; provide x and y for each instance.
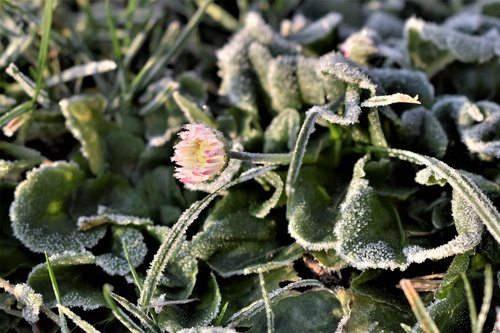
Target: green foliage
(363, 149)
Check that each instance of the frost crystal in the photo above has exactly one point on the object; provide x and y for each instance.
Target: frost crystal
(31, 300)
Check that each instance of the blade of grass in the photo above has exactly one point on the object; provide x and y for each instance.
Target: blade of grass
(470, 301)
(85, 326)
(15, 112)
(28, 86)
(219, 15)
(118, 313)
(63, 324)
(488, 294)
(44, 46)
(136, 312)
(137, 280)
(139, 81)
(218, 320)
(418, 307)
(129, 13)
(267, 304)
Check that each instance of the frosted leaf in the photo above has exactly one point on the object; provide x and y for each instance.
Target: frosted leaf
(336, 65)
(231, 238)
(385, 24)
(89, 222)
(283, 86)
(422, 131)
(311, 311)
(367, 233)
(483, 138)
(282, 132)
(283, 257)
(32, 302)
(179, 277)
(478, 123)
(317, 30)
(451, 313)
(389, 99)
(260, 58)
(310, 212)
(193, 314)
(235, 67)
(115, 263)
(312, 85)
(84, 118)
(432, 47)
(405, 81)
(458, 266)
(41, 219)
(371, 311)
(76, 275)
(192, 112)
(263, 209)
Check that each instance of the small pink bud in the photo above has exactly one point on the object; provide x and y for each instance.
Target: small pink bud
(200, 155)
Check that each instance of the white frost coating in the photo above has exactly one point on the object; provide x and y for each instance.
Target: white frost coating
(31, 301)
(79, 71)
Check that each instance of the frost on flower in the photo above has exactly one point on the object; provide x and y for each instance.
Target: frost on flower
(200, 155)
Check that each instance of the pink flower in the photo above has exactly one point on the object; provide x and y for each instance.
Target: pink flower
(200, 155)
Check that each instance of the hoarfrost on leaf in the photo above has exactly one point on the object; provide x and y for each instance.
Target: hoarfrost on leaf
(115, 263)
(41, 219)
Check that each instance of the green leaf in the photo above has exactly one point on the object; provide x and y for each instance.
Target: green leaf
(319, 32)
(179, 277)
(458, 266)
(72, 271)
(422, 131)
(282, 132)
(114, 262)
(231, 238)
(366, 311)
(240, 291)
(198, 313)
(310, 211)
(311, 311)
(41, 219)
(431, 47)
(122, 161)
(406, 81)
(192, 112)
(451, 313)
(84, 118)
(366, 228)
(108, 194)
(254, 308)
